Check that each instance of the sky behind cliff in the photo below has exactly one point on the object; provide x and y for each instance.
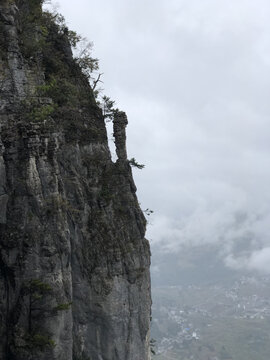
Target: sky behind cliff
(193, 77)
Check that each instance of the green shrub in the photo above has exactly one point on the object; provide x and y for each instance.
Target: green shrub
(134, 163)
(40, 341)
(36, 285)
(63, 307)
(41, 112)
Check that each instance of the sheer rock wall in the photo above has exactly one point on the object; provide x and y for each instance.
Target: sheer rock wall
(74, 263)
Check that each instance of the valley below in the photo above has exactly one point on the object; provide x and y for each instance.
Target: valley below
(220, 321)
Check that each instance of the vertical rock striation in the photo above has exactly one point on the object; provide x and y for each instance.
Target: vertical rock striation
(74, 263)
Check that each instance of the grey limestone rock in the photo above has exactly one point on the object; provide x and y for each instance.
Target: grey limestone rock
(74, 263)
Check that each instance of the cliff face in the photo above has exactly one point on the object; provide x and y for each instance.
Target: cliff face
(74, 263)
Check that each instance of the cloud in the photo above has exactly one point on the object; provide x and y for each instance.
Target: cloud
(193, 77)
(240, 238)
(259, 260)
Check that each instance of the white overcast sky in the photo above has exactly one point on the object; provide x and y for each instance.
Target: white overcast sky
(193, 77)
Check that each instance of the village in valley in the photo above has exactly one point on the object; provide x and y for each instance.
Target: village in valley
(213, 322)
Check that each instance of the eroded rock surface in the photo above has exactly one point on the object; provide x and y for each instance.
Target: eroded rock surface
(74, 263)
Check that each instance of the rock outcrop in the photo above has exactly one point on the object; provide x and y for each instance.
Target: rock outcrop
(74, 263)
